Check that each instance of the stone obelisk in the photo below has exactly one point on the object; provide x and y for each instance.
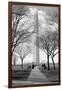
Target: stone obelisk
(37, 41)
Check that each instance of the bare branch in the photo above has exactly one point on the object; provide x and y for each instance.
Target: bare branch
(56, 53)
(22, 40)
(25, 54)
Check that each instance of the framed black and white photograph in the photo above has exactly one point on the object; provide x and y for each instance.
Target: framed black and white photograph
(33, 44)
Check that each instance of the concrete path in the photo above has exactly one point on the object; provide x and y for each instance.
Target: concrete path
(37, 76)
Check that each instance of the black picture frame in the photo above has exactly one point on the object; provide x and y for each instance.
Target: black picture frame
(10, 43)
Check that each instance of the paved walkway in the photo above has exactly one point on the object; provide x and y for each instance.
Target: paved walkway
(37, 76)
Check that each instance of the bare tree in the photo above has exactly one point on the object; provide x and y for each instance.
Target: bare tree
(23, 50)
(54, 46)
(50, 39)
(18, 13)
(49, 44)
(54, 35)
(20, 35)
(44, 45)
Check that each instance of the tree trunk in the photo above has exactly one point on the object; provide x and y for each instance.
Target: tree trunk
(53, 63)
(14, 62)
(48, 62)
(22, 63)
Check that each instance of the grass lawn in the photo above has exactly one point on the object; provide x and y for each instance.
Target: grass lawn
(20, 74)
(52, 75)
